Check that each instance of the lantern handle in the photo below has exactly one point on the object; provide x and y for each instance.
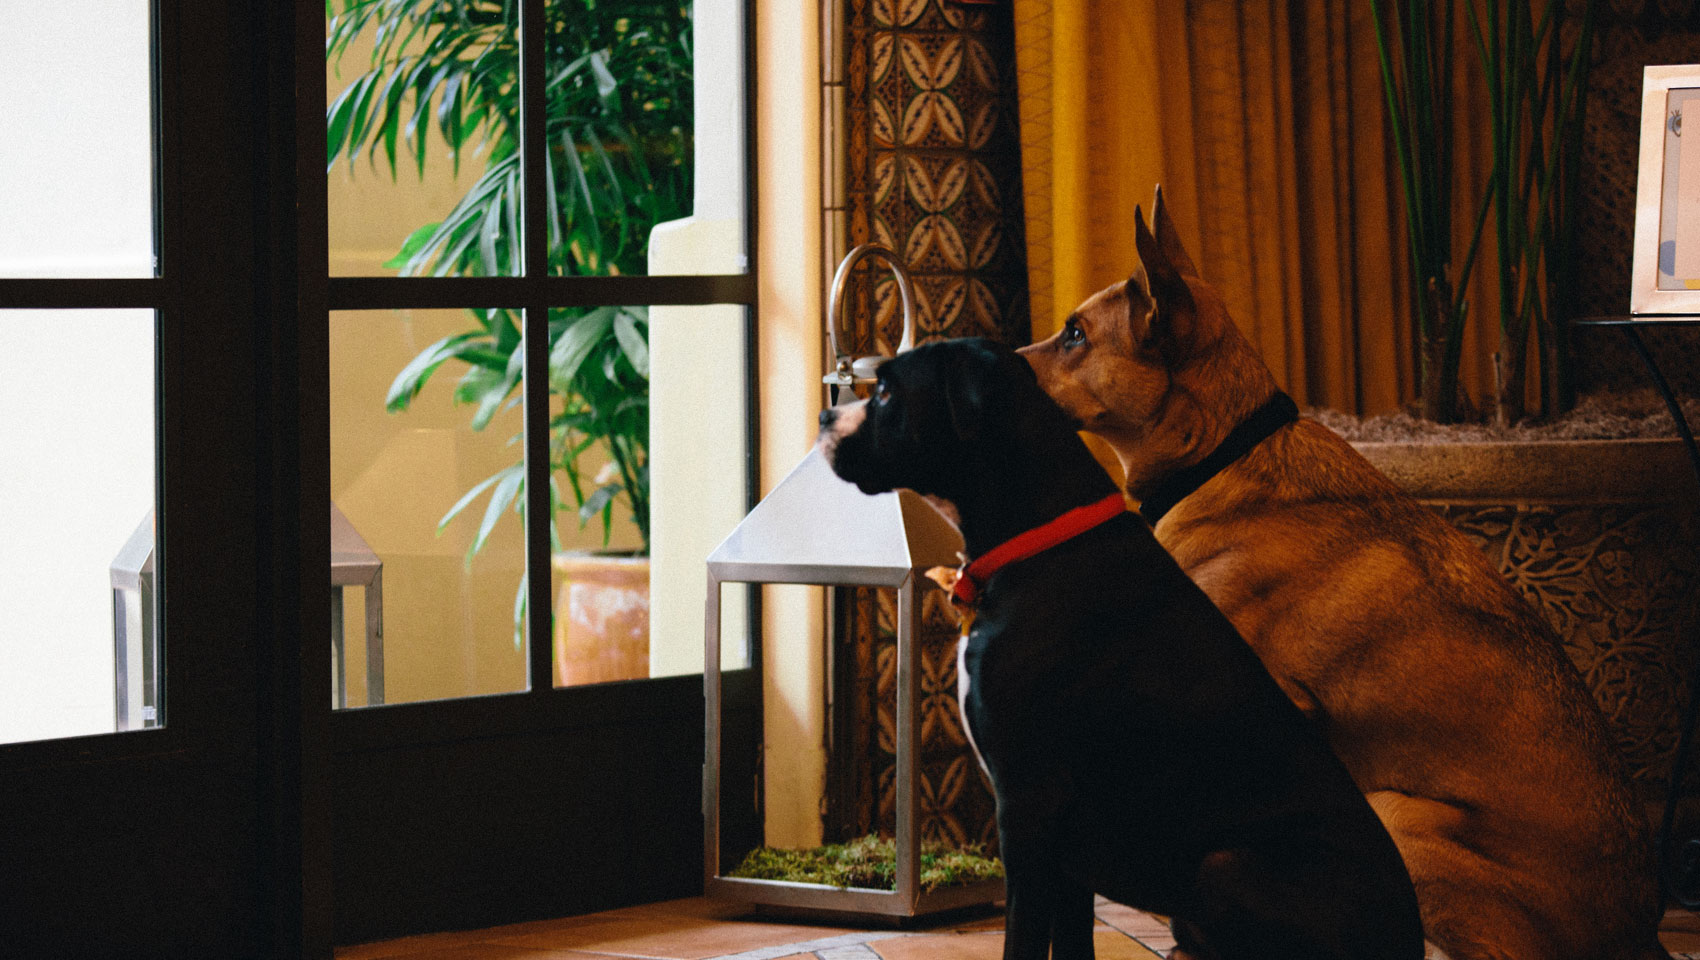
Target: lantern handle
(847, 370)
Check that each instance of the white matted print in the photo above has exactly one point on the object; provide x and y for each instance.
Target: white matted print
(1666, 267)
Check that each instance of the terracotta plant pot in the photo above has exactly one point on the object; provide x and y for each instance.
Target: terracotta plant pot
(601, 618)
(1598, 535)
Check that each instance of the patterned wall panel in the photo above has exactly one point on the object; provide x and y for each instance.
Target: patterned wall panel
(933, 172)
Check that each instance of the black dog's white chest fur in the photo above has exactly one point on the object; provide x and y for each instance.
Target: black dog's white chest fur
(964, 686)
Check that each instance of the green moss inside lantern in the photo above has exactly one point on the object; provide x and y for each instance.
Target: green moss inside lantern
(870, 863)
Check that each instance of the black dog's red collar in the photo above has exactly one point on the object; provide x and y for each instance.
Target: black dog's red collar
(1037, 540)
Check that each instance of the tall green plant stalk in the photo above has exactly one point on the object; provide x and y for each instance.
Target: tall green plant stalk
(1536, 95)
(1416, 74)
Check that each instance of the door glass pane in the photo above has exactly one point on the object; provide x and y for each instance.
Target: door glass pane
(421, 109)
(654, 403)
(645, 127)
(428, 547)
(77, 577)
(646, 137)
(76, 163)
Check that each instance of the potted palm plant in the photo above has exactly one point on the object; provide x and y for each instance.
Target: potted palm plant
(618, 124)
(1595, 532)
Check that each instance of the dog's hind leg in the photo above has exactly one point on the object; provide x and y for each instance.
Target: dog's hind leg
(1190, 942)
(1256, 906)
(1479, 906)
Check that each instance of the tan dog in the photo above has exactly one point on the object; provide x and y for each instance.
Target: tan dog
(1448, 698)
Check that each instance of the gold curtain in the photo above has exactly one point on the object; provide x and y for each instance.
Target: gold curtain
(1263, 120)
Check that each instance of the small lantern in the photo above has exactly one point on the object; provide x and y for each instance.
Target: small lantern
(815, 528)
(135, 655)
(136, 652)
(354, 564)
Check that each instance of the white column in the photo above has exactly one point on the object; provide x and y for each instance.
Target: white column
(697, 450)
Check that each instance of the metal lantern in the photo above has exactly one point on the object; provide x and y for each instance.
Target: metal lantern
(136, 652)
(354, 564)
(135, 656)
(814, 528)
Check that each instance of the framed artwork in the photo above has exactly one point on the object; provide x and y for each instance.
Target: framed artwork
(1665, 278)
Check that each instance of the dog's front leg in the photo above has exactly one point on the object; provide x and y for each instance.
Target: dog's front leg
(1047, 914)
(1030, 892)
(1072, 920)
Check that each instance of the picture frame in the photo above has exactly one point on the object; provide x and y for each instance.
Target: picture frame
(1665, 271)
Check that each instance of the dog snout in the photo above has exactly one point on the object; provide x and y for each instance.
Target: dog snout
(836, 423)
(844, 420)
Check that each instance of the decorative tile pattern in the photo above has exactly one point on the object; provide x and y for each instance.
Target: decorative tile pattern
(934, 168)
(934, 173)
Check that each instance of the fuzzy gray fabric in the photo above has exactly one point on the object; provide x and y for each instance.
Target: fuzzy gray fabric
(1599, 416)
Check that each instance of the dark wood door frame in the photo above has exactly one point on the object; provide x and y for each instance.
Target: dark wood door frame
(255, 823)
(189, 840)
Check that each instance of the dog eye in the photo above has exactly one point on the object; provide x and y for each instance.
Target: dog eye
(1072, 335)
(882, 393)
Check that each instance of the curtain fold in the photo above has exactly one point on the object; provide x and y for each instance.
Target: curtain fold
(1263, 120)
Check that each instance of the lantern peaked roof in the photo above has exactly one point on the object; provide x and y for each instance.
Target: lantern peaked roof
(352, 560)
(135, 558)
(816, 528)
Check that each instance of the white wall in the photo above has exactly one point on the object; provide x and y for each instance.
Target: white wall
(789, 308)
(697, 415)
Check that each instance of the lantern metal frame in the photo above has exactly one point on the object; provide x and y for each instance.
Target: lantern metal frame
(355, 564)
(136, 660)
(137, 664)
(886, 541)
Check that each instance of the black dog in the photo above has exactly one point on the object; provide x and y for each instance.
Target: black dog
(1137, 746)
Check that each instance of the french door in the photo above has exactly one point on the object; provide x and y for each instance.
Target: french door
(152, 754)
(323, 756)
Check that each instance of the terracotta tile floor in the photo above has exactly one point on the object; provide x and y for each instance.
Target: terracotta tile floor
(699, 929)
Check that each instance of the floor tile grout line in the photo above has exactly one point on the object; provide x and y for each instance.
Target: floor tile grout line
(1160, 944)
(859, 951)
(838, 946)
(815, 946)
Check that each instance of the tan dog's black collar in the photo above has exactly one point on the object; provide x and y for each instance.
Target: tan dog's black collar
(1278, 411)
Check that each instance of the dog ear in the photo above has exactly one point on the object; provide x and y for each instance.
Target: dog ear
(1162, 320)
(963, 399)
(1163, 226)
(981, 387)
